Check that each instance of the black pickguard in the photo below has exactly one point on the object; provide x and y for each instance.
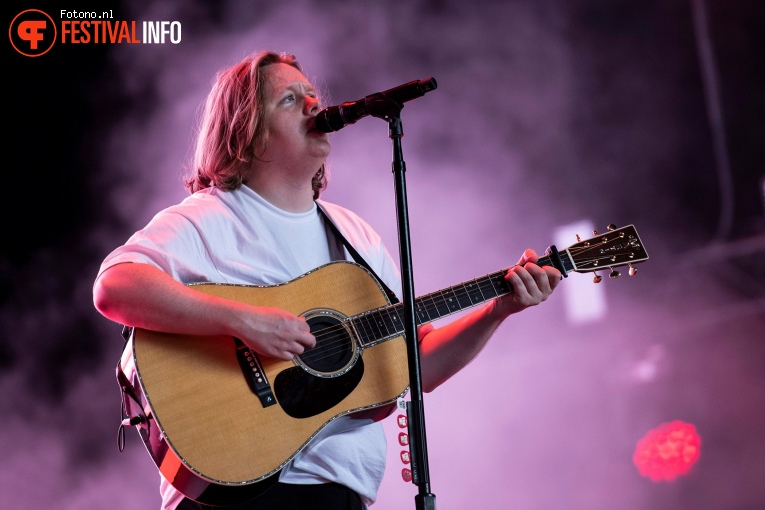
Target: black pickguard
(303, 395)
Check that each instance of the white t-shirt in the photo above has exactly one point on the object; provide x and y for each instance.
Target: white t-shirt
(238, 237)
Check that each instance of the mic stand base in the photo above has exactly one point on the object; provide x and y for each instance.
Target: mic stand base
(425, 501)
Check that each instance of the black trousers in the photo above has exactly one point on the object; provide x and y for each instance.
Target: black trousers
(287, 496)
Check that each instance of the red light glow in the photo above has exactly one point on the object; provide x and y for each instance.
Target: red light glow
(667, 451)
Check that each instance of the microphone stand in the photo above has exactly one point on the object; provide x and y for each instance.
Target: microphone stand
(381, 106)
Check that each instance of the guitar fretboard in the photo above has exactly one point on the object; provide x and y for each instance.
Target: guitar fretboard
(388, 322)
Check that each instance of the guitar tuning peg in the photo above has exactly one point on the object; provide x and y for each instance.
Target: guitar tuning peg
(597, 278)
(614, 274)
(578, 238)
(594, 232)
(632, 270)
(611, 227)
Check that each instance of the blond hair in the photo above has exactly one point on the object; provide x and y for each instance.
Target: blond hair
(231, 128)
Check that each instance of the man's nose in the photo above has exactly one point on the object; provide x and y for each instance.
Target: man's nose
(312, 104)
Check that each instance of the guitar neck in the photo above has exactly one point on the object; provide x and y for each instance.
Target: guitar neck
(387, 322)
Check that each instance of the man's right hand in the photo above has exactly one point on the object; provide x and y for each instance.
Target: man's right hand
(276, 333)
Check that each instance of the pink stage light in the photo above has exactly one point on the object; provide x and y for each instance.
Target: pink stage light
(667, 451)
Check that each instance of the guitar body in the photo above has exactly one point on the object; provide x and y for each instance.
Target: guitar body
(216, 441)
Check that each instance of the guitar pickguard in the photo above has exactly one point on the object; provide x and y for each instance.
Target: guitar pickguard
(302, 395)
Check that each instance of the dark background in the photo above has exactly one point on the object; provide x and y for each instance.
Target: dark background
(547, 112)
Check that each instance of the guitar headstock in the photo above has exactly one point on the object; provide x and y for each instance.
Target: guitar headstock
(617, 247)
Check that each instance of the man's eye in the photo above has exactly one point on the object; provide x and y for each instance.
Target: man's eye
(289, 98)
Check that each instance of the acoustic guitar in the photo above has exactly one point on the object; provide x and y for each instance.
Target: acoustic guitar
(220, 420)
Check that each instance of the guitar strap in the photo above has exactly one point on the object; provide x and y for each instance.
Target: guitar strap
(355, 254)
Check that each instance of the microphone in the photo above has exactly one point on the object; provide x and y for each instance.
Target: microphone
(335, 118)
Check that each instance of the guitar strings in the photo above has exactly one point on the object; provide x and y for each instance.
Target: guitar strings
(332, 340)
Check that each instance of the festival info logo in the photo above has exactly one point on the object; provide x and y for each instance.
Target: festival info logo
(32, 33)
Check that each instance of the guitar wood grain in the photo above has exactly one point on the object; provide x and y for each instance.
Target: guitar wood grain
(200, 399)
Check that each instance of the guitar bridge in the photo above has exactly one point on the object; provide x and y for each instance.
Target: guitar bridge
(254, 374)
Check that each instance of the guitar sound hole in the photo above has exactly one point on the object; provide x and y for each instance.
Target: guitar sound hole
(334, 346)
